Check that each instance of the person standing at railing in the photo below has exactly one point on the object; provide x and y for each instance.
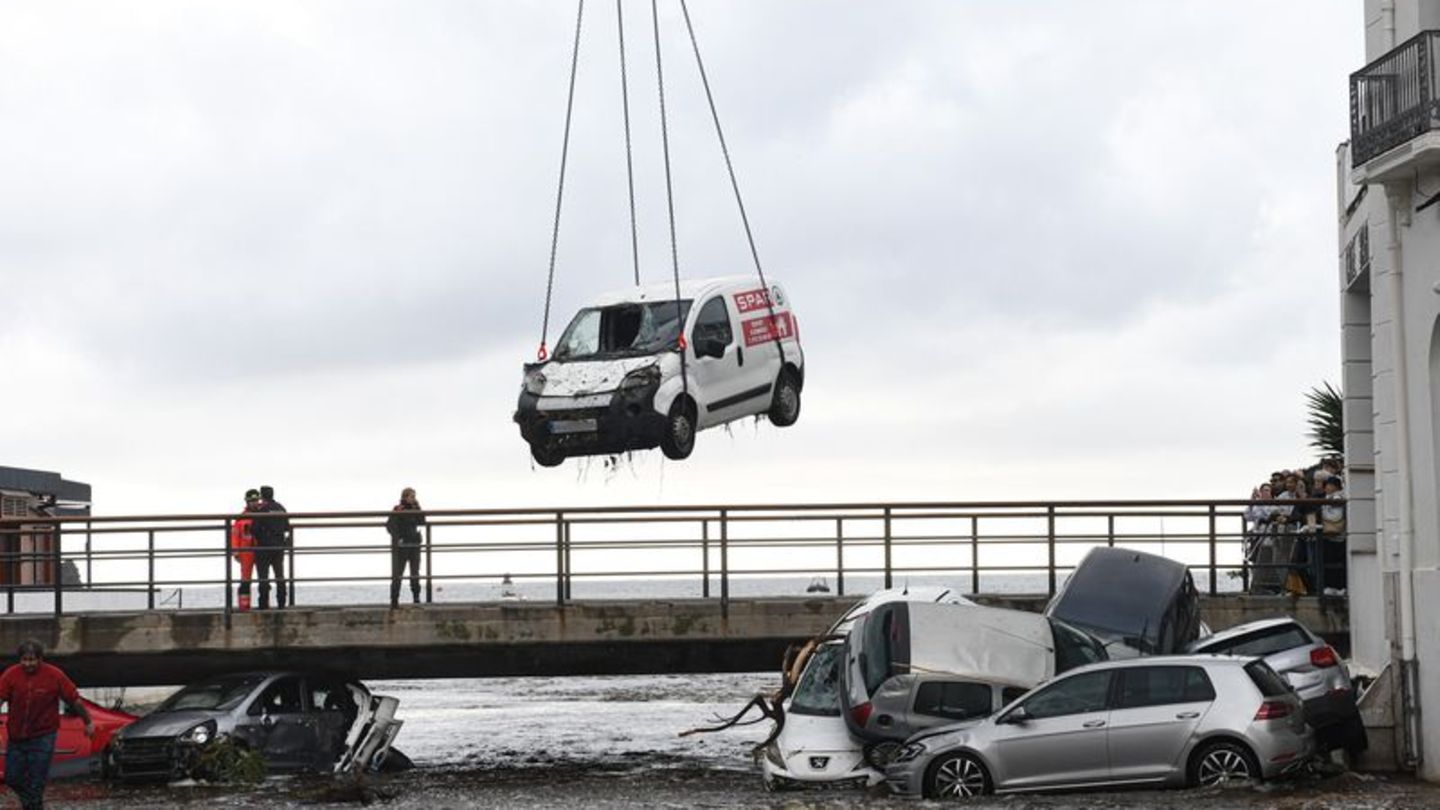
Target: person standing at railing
(404, 527)
(242, 545)
(272, 537)
(32, 690)
(1333, 555)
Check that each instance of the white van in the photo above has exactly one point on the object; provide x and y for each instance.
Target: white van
(622, 377)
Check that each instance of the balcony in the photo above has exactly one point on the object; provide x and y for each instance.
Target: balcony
(1395, 111)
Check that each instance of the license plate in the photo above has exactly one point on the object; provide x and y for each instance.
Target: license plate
(573, 426)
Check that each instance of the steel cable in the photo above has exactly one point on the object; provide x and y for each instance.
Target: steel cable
(670, 199)
(543, 353)
(629, 159)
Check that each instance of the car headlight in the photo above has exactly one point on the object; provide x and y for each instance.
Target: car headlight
(909, 752)
(535, 382)
(640, 378)
(200, 735)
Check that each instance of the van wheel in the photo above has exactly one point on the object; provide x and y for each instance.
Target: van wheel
(785, 407)
(679, 438)
(546, 455)
(1222, 761)
(957, 776)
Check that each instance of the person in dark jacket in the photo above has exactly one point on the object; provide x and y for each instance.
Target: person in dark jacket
(404, 527)
(33, 690)
(272, 537)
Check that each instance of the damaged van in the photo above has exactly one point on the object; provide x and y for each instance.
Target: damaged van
(1137, 603)
(644, 368)
(910, 666)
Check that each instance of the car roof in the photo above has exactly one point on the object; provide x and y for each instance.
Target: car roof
(1164, 660)
(691, 289)
(1248, 627)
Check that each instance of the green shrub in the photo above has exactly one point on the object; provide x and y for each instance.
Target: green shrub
(228, 761)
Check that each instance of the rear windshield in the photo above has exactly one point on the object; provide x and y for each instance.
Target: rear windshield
(1268, 641)
(1270, 684)
(818, 691)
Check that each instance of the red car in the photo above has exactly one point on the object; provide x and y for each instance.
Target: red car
(76, 754)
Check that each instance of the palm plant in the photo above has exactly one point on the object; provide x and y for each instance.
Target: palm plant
(1326, 408)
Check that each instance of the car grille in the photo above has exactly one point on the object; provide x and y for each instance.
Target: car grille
(146, 753)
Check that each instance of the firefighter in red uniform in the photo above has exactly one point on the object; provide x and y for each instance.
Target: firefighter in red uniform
(33, 690)
(242, 541)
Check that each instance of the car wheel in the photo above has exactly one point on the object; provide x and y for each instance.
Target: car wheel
(546, 455)
(679, 438)
(878, 755)
(957, 776)
(785, 407)
(1222, 761)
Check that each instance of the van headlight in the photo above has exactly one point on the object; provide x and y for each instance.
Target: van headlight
(199, 735)
(640, 379)
(535, 382)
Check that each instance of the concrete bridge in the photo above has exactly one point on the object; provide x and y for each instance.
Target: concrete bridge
(500, 639)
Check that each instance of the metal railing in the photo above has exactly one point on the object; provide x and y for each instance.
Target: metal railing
(1394, 98)
(609, 552)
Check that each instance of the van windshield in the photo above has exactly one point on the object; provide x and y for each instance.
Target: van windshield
(622, 330)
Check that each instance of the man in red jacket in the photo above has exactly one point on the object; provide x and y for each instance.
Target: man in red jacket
(33, 690)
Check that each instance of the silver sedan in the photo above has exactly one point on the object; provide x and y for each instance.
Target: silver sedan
(1196, 720)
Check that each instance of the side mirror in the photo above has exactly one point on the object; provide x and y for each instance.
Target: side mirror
(1017, 717)
(267, 719)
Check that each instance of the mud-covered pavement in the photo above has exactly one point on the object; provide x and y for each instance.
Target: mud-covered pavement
(677, 785)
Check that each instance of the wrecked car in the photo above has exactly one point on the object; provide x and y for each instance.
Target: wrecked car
(812, 745)
(1311, 667)
(76, 754)
(1197, 720)
(912, 666)
(295, 721)
(645, 368)
(1137, 603)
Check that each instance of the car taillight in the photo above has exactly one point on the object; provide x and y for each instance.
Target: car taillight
(860, 714)
(1273, 710)
(1324, 657)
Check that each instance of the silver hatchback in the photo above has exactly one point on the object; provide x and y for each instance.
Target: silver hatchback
(1163, 721)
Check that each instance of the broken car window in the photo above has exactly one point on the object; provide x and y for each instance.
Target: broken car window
(622, 330)
(819, 689)
(281, 697)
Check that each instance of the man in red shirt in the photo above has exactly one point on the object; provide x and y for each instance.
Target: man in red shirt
(33, 690)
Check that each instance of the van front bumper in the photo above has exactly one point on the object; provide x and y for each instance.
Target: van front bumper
(628, 422)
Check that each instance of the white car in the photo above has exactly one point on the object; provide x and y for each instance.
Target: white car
(814, 747)
(636, 369)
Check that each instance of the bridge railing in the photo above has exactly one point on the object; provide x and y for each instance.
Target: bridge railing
(718, 552)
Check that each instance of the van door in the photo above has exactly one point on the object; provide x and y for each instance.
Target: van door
(761, 334)
(724, 386)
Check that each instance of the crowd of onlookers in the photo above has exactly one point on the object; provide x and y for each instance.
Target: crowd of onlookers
(1298, 548)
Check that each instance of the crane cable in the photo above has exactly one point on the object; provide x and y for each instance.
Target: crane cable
(670, 200)
(629, 160)
(734, 184)
(543, 352)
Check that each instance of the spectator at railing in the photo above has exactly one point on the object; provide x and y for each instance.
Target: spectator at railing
(1261, 521)
(1332, 548)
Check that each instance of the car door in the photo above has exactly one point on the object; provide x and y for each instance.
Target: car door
(1156, 711)
(1061, 740)
(333, 706)
(279, 723)
(723, 387)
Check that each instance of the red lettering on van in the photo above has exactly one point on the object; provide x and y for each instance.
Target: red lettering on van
(766, 329)
(752, 300)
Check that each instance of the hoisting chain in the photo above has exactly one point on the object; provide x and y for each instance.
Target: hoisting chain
(544, 352)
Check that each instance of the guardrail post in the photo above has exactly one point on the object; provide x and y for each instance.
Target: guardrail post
(224, 558)
(1214, 575)
(150, 568)
(560, 559)
(840, 556)
(974, 554)
(294, 575)
(724, 564)
(1050, 541)
(888, 578)
(1244, 558)
(1110, 530)
(705, 558)
(569, 528)
(89, 572)
(55, 570)
(429, 566)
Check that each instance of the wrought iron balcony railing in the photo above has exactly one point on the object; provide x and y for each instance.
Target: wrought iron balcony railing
(1394, 99)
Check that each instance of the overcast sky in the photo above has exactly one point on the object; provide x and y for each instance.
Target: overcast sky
(1037, 250)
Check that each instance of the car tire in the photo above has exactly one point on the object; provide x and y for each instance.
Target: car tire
(546, 456)
(878, 754)
(679, 439)
(1222, 761)
(957, 776)
(785, 406)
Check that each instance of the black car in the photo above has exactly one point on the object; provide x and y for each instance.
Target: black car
(1137, 603)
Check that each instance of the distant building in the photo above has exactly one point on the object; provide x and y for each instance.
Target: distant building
(1389, 263)
(27, 548)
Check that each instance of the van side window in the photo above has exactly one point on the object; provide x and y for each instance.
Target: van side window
(956, 700)
(713, 323)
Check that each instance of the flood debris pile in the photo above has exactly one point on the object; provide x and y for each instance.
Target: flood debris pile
(1117, 682)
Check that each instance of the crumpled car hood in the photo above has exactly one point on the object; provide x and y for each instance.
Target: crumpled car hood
(581, 377)
(169, 724)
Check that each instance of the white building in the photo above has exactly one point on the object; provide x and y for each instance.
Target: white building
(1389, 199)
